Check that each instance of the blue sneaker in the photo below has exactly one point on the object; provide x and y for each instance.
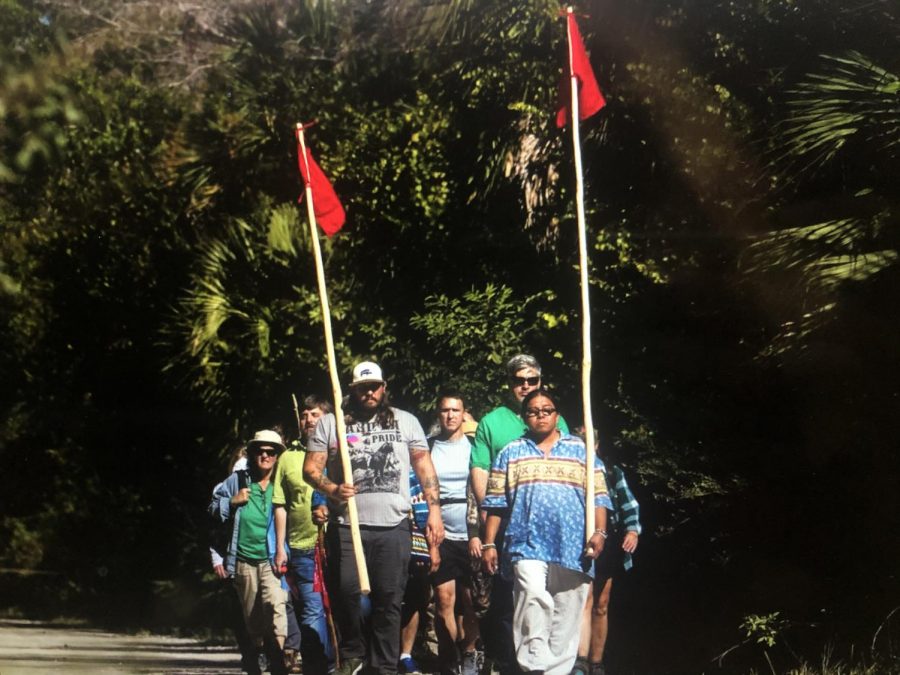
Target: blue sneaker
(409, 666)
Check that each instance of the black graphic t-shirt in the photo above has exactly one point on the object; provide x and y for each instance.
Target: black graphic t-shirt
(380, 461)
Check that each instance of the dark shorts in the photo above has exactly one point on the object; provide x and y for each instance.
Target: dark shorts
(610, 564)
(418, 588)
(455, 564)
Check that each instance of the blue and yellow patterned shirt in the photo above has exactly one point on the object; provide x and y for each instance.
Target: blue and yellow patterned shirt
(544, 498)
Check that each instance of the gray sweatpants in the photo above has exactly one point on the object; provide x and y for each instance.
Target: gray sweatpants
(548, 602)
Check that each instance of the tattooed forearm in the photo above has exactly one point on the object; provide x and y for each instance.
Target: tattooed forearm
(431, 489)
(323, 484)
(314, 473)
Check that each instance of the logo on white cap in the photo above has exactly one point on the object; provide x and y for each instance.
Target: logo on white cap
(366, 372)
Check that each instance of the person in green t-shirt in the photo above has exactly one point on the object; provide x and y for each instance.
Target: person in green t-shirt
(294, 522)
(244, 499)
(495, 431)
(504, 424)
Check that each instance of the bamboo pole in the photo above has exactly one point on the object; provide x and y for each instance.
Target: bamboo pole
(297, 416)
(320, 539)
(586, 363)
(341, 425)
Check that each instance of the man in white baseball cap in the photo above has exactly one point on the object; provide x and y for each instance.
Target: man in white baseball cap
(383, 443)
(366, 372)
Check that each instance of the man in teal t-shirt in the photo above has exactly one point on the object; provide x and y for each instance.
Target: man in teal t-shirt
(498, 428)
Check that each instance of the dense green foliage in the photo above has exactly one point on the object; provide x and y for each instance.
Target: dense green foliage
(158, 298)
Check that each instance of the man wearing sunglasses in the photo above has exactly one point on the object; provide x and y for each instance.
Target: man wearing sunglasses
(496, 430)
(384, 443)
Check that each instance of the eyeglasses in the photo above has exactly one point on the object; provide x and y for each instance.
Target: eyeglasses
(539, 412)
(530, 381)
(269, 452)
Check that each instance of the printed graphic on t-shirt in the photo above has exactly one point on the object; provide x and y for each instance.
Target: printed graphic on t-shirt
(376, 467)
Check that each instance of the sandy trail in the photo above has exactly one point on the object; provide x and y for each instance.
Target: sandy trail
(28, 647)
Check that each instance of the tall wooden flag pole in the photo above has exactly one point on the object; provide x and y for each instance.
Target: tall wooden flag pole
(361, 569)
(586, 361)
(297, 415)
(584, 100)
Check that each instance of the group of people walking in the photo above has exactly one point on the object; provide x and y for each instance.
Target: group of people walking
(486, 519)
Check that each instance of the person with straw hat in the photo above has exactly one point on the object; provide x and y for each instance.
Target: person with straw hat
(245, 500)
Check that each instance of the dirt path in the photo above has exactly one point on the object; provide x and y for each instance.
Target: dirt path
(28, 647)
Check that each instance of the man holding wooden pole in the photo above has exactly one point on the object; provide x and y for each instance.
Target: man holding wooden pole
(383, 443)
(295, 525)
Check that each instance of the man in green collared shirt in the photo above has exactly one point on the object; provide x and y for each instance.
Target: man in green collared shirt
(503, 425)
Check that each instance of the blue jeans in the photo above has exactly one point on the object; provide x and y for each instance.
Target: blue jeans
(315, 645)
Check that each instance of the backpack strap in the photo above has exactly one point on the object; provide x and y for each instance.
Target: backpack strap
(244, 479)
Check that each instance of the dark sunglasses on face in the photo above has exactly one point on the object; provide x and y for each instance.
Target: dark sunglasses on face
(365, 387)
(530, 381)
(269, 452)
(539, 412)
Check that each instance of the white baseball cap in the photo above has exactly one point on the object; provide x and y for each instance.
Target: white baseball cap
(366, 372)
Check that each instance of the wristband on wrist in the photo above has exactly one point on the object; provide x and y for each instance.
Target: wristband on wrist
(489, 546)
(602, 533)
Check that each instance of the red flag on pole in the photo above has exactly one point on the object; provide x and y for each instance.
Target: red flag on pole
(328, 209)
(590, 99)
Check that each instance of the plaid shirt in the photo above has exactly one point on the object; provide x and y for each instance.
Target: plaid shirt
(625, 514)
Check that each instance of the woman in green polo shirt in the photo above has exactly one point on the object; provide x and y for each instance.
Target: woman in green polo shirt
(245, 499)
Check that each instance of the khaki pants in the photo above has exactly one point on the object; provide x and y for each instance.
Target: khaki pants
(262, 599)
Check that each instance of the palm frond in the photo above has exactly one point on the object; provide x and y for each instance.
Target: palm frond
(799, 247)
(795, 334)
(825, 254)
(211, 323)
(831, 271)
(285, 233)
(852, 97)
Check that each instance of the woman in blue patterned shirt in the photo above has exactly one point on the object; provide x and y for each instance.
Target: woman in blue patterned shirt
(538, 482)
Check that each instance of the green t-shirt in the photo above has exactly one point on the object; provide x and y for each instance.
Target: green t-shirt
(254, 524)
(495, 431)
(295, 494)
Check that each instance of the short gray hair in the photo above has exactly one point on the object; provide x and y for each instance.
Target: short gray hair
(520, 361)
